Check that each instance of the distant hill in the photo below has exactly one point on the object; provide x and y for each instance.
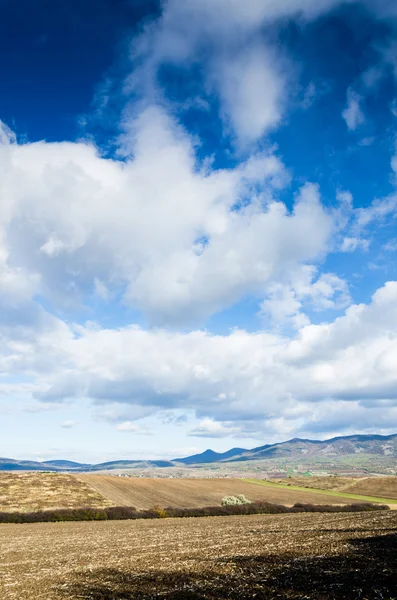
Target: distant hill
(354, 444)
(125, 464)
(9, 464)
(297, 448)
(64, 464)
(210, 456)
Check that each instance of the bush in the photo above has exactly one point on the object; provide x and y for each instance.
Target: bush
(127, 512)
(235, 500)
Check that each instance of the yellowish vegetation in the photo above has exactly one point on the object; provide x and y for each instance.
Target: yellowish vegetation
(381, 487)
(29, 492)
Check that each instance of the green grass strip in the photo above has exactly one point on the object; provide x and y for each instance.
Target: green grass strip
(325, 492)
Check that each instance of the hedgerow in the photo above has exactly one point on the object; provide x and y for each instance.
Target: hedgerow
(125, 512)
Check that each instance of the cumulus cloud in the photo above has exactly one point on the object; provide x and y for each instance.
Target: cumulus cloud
(175, 241)
(178, 241)
(286, 301)
(68, 424)
(246, 382)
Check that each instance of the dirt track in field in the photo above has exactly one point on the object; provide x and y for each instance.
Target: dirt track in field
(380, 487)
(194, 493)
(383, 487)
(267, 557)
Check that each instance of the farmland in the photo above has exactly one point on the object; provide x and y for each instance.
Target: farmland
(28, 492)
(44, 491)
(194, 493)
(385, 487)
(347, 492)
(312, 556)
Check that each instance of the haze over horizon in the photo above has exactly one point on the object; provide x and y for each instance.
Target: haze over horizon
(198, 233)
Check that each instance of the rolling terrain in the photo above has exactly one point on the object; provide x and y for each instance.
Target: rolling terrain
(144, 493)
(370, 453)
(29, 492)
(385, 487)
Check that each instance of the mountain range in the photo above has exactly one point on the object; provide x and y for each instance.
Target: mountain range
(297, 448)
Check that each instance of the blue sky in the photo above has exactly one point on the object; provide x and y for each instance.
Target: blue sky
(197, 224)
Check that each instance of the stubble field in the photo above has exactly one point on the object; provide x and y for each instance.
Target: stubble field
(305, 556)
(28, 492)
(384, 487)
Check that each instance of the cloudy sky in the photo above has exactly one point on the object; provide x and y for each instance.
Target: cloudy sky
(198, 233)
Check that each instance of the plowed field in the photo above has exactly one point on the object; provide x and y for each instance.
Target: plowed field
(266, 557)
(194, 493)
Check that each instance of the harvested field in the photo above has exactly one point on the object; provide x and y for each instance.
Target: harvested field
(321, 483)
(385, 487)
(195, 493)
(317, 557)
(27, 492)
(381, 487)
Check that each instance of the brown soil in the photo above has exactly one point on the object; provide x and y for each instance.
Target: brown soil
(267, 557)
(194, 493)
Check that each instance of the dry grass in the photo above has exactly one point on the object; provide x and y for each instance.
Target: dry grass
(320, 483)
(381, 487)
(386, 487)
(195, 493)
(316, 557)
(27, 492)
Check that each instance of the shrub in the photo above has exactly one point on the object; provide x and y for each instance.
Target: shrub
(159, 512)
(235, 500)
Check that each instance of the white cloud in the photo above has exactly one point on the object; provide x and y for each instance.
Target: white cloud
(68, 424)
(212, 429)
(249, 75)
(390, 246)
(286, 301)
(245, 383)
(352, 114)
(130, 427)
(226, 36)
(379, 210)
(350, 244)
(179, 241)
(73, 223)
(252, 91)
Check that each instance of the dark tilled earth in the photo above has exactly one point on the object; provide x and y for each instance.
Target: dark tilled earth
(303, 556)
